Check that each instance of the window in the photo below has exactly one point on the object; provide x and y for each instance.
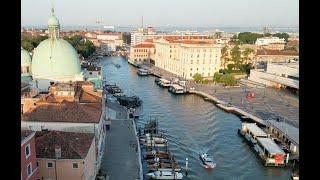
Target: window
(49, 165)
(37, 163)
(190, 74)
(75, 165)
(27, 151)
(29, 169)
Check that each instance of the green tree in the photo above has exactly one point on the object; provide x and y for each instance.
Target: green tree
(228, 79)
(27, 45)
(126, 37)
(247, 52)
(282, 35)
(248, 37)
(236, 57)
(224, 55)
(197, 77)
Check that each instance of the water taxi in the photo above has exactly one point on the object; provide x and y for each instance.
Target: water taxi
(207, 161)
(165, 175)
(142, 72)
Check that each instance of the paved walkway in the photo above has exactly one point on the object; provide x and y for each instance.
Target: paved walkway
(120, 160)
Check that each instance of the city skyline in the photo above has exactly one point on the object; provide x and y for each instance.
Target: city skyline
(205, 13)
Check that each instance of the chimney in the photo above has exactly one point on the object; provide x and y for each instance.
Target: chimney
(57, 151)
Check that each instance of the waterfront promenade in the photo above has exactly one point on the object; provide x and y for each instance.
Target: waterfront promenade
(120, 159)
(269, 103)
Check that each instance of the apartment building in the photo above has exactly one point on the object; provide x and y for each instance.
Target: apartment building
(186, 57)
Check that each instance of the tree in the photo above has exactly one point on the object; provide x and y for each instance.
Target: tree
(27, 45)
(126, 37)
(197, 77)
(247, 52)
(224, 55)
(228, 79)
(84, 47)
(217, 35)
(282, 35)
(248, 37)
(236, 57)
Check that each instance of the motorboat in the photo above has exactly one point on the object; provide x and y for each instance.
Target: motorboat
(165, 175)
(164, 167)
(118, 65)
(207, 161)
(159, 154)
(142, 72)
(161, 160)
(129, 101)
(152, 138)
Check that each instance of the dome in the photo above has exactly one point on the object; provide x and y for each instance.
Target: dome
(53, 21)
(25, 58)
(55, 59)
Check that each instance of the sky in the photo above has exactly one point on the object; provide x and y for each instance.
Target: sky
(184, 13)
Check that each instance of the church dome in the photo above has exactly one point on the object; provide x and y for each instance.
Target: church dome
(55, 58)
(25, 58)
(53, 21)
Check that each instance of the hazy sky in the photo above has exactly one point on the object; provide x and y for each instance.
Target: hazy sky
(232, 13)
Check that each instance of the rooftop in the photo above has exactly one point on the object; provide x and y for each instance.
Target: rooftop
(141, 45)
(25, 134)
(290, 131)
(73, 145)
(276, 52)
(71, 112)
(270, 146)
(255, 130)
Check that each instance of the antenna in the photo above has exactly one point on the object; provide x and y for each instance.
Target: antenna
(142, 21)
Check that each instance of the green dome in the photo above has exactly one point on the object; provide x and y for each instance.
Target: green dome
(53, 21)
(55, 59)
(25, 58)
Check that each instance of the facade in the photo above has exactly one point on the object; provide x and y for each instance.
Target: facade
(277, 75)
(29, 168)
(66, 155)
(93, 74)
(70, 107)
(269, 40)
(185, 57)
(274, 46)
(141, 52)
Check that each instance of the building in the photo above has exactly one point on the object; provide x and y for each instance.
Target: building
(141, 53)
(70, 107)
(29, 168)
(269, 40)
(186, 57)
(25, 66)
(55, 59)
(274, 46)
(66, 155)
(277, 75)
(93, 74)
(275, 55)
(139, 36)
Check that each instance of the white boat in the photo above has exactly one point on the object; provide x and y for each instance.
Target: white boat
(153, 140)
(142, 72)
(164, 83)
(165, 175)
(207, 161)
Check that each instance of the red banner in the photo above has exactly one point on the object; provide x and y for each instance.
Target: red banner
(278, 158)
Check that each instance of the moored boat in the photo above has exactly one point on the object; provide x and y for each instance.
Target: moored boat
(165, 175)
(142, 72)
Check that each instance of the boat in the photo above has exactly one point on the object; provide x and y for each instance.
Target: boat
(154, 144)
(157, 80)
(164, 83)
(164, 167)
(142, 72)
(207, 161)
(161, 160)
(129, 101)
(159, 154)
(176, 89)
(118, 65)
(165, 175)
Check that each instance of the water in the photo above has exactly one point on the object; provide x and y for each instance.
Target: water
(193, 125)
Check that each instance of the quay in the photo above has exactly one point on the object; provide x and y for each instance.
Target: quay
(122, 147)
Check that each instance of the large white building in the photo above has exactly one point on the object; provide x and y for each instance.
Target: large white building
(277, 75)
(186, 57)
(270, 40)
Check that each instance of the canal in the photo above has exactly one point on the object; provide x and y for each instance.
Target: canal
(192, 125)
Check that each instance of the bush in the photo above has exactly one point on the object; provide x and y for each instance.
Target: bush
(228, 79)
(197, 77)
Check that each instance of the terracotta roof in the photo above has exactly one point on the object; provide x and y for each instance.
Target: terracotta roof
(65, 111)
(25, 134)
(293, 43)
(73, 145)
(277, 52)
(86, 97)
(144, 46)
